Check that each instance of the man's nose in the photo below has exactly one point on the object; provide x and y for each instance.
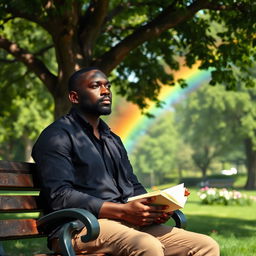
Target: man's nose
(105, 90)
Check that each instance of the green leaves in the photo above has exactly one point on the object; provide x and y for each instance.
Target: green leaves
(219, 35)
(154, 154)
(215, 122)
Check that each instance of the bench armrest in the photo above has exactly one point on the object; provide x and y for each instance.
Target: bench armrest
(70, 216)
(180, 219)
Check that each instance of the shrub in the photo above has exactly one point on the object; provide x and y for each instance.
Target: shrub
(224, 197)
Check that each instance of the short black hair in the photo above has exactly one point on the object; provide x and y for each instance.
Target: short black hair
(72, 82)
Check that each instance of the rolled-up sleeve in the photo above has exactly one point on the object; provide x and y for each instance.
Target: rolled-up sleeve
(56, 173)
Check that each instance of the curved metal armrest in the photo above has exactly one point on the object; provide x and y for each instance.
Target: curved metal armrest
(68, 218)
(180, 219)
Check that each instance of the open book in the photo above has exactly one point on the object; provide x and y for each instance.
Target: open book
(174, 197)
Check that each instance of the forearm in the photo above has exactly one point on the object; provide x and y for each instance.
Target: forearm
(111, 210)
(71, 198)
(136, 212)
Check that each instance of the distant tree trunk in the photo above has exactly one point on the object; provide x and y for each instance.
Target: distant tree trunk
(180, 173)
(62, 105)
(202, 162)
(152, 178)
(250, 164)
(27, 144)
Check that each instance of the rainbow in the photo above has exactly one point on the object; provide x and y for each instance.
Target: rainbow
(129, 123)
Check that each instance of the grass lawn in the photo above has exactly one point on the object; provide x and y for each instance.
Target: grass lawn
(233, 227)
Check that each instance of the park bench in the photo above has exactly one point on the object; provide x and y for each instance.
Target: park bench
(218, 183)
(18, 195)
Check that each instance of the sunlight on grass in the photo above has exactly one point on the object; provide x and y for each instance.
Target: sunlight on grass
(232, 226)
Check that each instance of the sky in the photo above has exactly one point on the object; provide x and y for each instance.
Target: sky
(129, 123)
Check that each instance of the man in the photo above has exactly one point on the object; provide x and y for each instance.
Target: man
(82, 164)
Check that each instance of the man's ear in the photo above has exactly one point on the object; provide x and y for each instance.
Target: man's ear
(73, 97)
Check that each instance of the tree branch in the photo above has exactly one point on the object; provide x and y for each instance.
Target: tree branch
(43, 50)
(117, 10)
(5, 20)
(33, 64)
(8, 61)
(91, 25)
(221, 7)
(167, 19)
(18, 13)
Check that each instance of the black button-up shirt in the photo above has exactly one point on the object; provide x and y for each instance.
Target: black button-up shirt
(76, 170)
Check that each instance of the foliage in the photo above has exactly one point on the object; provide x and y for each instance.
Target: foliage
(155, 152)
(224, 197)
(216, 122)
(136, 39)
(29, 110)
(25, 106)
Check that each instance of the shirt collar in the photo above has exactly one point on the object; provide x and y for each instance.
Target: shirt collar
(103, 127)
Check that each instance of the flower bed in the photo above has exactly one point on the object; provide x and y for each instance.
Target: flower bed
(224, 197)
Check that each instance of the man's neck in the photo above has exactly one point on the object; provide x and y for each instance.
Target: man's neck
(94, 122)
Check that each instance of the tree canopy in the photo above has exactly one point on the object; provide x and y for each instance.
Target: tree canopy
(154, 154)
(217, 123)
(135, 39)
(25, 109)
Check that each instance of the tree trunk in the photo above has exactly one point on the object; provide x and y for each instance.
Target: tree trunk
(62, 106)
(28, 144)
(180, 173)
(152, 178)
(202, 162)
(250, 164)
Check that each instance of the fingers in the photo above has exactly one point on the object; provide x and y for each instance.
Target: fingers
(152, 208)
(157, 208)
(140, 213)
(162, 219)
(147, 218)
(156, 219)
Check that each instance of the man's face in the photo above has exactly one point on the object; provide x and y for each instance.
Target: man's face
(94, 94)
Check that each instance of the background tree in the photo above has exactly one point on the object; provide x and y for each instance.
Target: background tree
(217, 122)
(153, 157)
(133, 37)
(25, 106)
(25, 118)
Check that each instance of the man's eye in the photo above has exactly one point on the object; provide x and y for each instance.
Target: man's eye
(95, 86)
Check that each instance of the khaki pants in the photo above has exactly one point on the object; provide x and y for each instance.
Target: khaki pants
(121, 239)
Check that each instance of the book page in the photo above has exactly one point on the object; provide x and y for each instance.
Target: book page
(174, 197)
(147, 195)
(177, 194)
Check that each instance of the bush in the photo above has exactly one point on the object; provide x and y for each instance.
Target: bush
(224, 197)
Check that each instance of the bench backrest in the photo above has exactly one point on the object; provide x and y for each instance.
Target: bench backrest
(18, 206)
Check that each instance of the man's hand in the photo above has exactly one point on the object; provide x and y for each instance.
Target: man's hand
(141, 213)
(138, 212)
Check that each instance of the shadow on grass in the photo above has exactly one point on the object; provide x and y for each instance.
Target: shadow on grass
(24, 247)
(222, 226)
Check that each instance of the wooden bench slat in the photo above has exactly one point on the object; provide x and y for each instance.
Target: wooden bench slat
(18, 228)
(18, 202)
(16, 179)
(16, 166)
(16, 196)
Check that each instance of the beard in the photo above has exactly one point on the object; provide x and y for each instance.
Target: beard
(97, 108)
